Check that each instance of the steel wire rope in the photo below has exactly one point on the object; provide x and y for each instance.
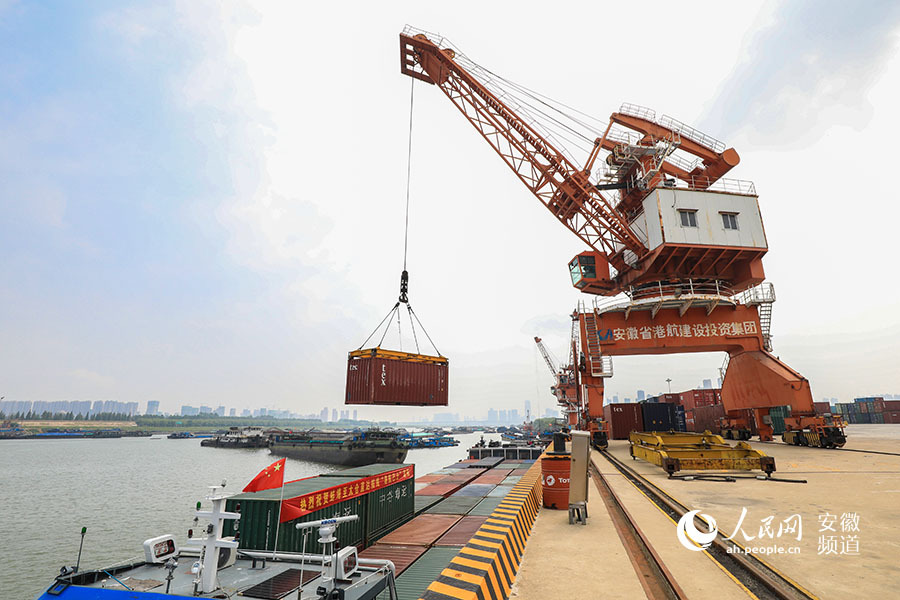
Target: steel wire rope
(532, 110)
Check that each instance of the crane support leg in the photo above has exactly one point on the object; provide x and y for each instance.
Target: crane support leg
(757, 379)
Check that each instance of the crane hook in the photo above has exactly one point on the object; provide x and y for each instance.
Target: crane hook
(404, 286)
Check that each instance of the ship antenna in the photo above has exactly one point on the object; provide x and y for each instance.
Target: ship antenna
(80, 546)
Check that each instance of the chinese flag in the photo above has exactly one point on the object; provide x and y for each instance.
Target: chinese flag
(270, 477)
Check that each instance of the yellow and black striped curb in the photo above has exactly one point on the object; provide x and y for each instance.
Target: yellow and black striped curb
(486, 567)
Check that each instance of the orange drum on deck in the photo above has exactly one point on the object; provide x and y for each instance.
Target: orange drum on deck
(555, 472)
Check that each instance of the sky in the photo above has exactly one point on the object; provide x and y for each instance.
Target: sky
(203, 202)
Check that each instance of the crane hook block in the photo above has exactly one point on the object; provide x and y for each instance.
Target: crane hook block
(404, 286)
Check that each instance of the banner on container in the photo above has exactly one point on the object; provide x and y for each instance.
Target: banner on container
(294, 508)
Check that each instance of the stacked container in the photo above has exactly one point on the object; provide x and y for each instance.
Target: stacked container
(623, 419)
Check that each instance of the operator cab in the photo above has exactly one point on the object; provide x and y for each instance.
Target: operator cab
(590, 273)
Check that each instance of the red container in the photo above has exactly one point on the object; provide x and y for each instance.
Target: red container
(440, 489)
(555, 474)
(879, 404)
(706, 418)
(401, 556)
(462, 532)
(821, 407)
(891, 405)
(623, 419)
(700, 397)
(424, 530)
(388, 378)
(891, 416)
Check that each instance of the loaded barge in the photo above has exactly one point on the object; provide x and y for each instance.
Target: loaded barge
(380, 534)
(350, 449)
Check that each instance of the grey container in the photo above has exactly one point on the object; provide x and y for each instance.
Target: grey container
(486, 507)
(455, 505)
(424, 502)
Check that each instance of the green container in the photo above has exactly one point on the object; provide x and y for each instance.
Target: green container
(260, 512)
(455, 505)
(413, 582)
(878, 418)
(388, 508)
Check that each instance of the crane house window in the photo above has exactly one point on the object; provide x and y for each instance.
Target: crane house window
(688, 218)
(729, 220)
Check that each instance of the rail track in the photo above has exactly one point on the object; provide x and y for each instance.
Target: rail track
(841, 449)
(760, 578)
(657, 581)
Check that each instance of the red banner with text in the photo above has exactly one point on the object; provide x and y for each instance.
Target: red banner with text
(294, 508)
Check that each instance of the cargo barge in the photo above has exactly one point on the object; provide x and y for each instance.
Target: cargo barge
(239, 437)
(351, 449)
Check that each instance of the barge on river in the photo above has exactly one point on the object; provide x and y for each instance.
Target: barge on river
(354, 448)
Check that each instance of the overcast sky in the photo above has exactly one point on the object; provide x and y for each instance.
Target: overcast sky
(203, 202)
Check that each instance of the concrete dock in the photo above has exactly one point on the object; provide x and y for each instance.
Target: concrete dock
(835, 535)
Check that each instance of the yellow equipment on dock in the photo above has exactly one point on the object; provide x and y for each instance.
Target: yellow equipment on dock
(676, 451)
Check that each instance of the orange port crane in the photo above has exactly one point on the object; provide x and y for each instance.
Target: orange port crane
(683, 245)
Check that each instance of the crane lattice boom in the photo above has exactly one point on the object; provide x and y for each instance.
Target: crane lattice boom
(562, 187)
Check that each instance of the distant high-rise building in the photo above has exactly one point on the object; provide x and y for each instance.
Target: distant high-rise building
(232, 412)
(492, 415)
(220, 411)
(527, 409)
(615, 398)
(205, 410)
(152, 407)
(707, 384)
(640, 395)
(323, 415)
(514, 416)
(334, 414)
(502, 417)
(354, 415)
(263, 412)
(188, 411)
(345, 415)
(246, 413)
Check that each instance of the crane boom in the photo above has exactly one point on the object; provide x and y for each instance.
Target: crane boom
(562, 187)
(546, 354)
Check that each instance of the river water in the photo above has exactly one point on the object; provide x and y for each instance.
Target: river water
(124, 491)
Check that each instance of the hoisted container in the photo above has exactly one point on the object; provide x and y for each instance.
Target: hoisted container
(389, 378)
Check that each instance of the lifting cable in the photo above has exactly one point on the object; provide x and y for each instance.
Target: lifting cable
(404, 276)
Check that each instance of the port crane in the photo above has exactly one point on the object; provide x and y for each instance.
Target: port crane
(675, 250)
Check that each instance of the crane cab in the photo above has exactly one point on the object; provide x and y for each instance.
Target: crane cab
(590, 272)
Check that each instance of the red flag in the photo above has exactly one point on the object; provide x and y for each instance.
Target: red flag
(270, 477)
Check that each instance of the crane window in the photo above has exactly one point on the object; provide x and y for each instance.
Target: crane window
(729, 220)
(688, 218)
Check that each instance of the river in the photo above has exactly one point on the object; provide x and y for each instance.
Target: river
(124, 491)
